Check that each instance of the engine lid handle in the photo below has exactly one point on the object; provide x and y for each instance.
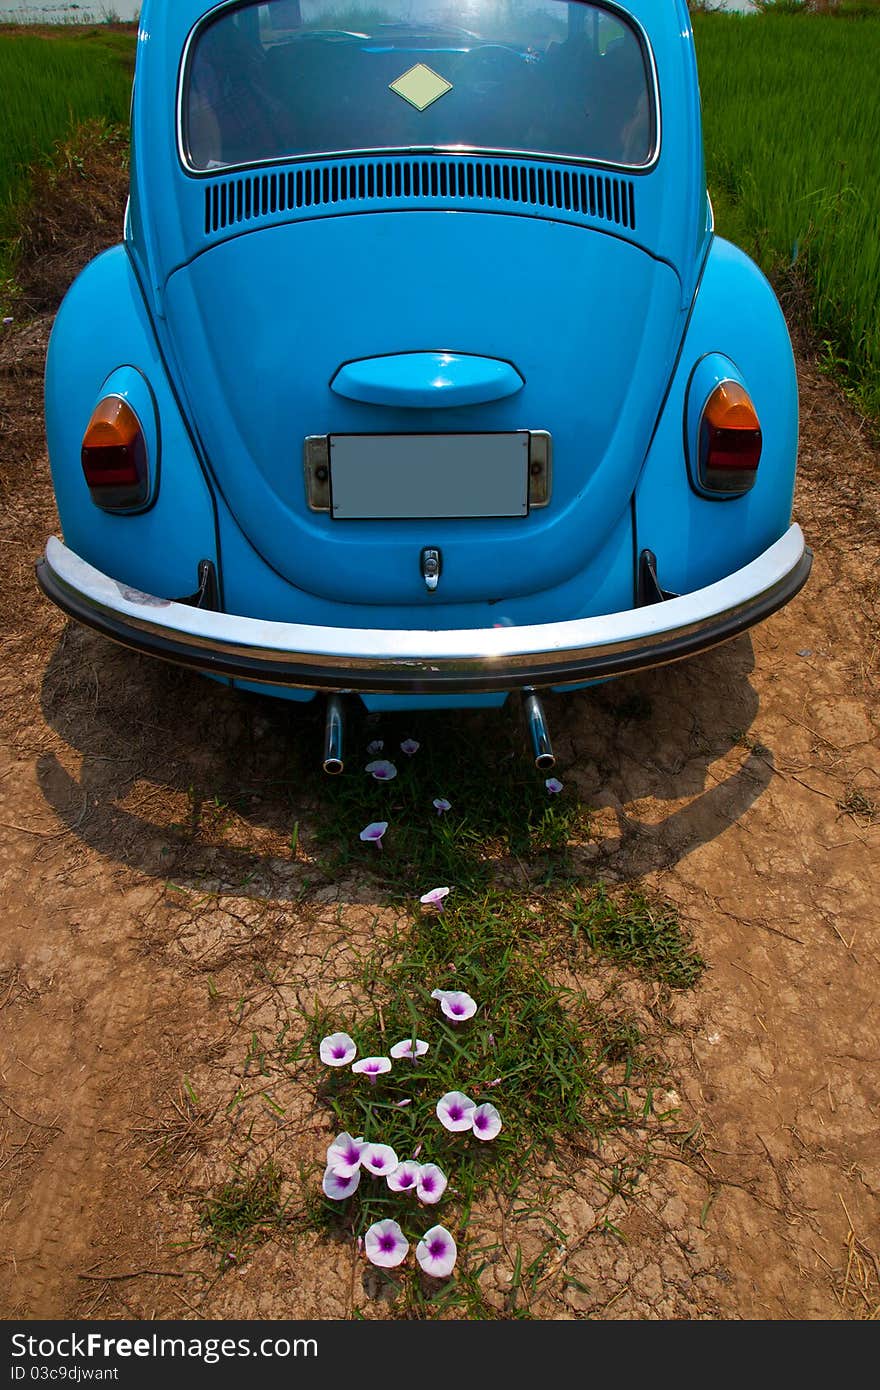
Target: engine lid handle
(427, 380)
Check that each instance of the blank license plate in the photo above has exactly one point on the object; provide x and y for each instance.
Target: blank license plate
(397, 476)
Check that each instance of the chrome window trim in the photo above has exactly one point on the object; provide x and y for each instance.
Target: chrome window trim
(392, 151)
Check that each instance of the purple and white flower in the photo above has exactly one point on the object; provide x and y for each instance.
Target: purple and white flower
(404, 1048)
(385, 1244)
(486, 1122)
(340, 1185)
(436, 1252)
(382, 770)
(379, 1159)
(553, 785)
(375, 747)
(434, 897)
(372, 1067)
(405, 1177)
(432, 1183)
(441, 805)
(456, 1005)
(410, 746)
(337, 1050)
(374, 831)
(344, 1154)
(455, 1111)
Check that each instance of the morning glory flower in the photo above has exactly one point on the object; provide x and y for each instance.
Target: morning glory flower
(404, 1048)
(441, 804)
(436, 1252)
(379, 1159)
(340, 1185)
(382, 770)
(372, 1066)
(375, 747)
(434, 898)
(337, 1049)
(410, 746)
(553, 785)
(455, 1111)
(344, 1154)
(455, 1004)
(374, 831)
(386, 1245)
(486, 1121)
(405, 1177)
(432, 1183)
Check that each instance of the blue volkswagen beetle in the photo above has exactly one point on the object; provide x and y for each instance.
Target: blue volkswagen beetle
(420, 376)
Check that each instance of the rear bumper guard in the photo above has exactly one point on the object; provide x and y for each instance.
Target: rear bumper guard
(426, 661)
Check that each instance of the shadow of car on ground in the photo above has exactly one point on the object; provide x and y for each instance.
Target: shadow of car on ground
(181, 778)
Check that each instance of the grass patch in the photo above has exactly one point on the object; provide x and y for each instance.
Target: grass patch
(49, 86)
(245, 1212)
(500, 810)
(635, 931)
(753, 744)
(75, 211)
(549, 1057)
(792, 122)
(494, 948)
(859, 805)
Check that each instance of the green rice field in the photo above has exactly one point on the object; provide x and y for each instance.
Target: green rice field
(48, 85)
(792, 130)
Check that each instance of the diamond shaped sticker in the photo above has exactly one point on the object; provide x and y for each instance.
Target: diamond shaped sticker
(420, 86)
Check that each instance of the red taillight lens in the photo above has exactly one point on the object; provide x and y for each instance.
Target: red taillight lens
(730, 440)
(114, 457)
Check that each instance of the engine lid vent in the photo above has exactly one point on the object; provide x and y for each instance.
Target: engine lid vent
(319, 190)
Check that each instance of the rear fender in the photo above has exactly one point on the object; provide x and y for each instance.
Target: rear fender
(101, 327)
(698, 540)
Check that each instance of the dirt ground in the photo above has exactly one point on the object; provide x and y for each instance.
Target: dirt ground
(137, 960)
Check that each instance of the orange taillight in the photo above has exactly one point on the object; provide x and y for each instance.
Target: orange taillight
(114, 456)
(730, 440)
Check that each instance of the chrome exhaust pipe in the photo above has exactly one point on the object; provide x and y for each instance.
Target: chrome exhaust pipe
(537, 722)
(333, 732)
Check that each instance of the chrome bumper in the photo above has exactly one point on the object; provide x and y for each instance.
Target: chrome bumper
(422, 661)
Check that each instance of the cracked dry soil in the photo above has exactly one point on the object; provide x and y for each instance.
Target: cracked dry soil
(746, 794)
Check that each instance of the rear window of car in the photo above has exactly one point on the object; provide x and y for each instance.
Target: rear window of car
(293, 78)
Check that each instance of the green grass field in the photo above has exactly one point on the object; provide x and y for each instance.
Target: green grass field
(49, 85)
(792, 129)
